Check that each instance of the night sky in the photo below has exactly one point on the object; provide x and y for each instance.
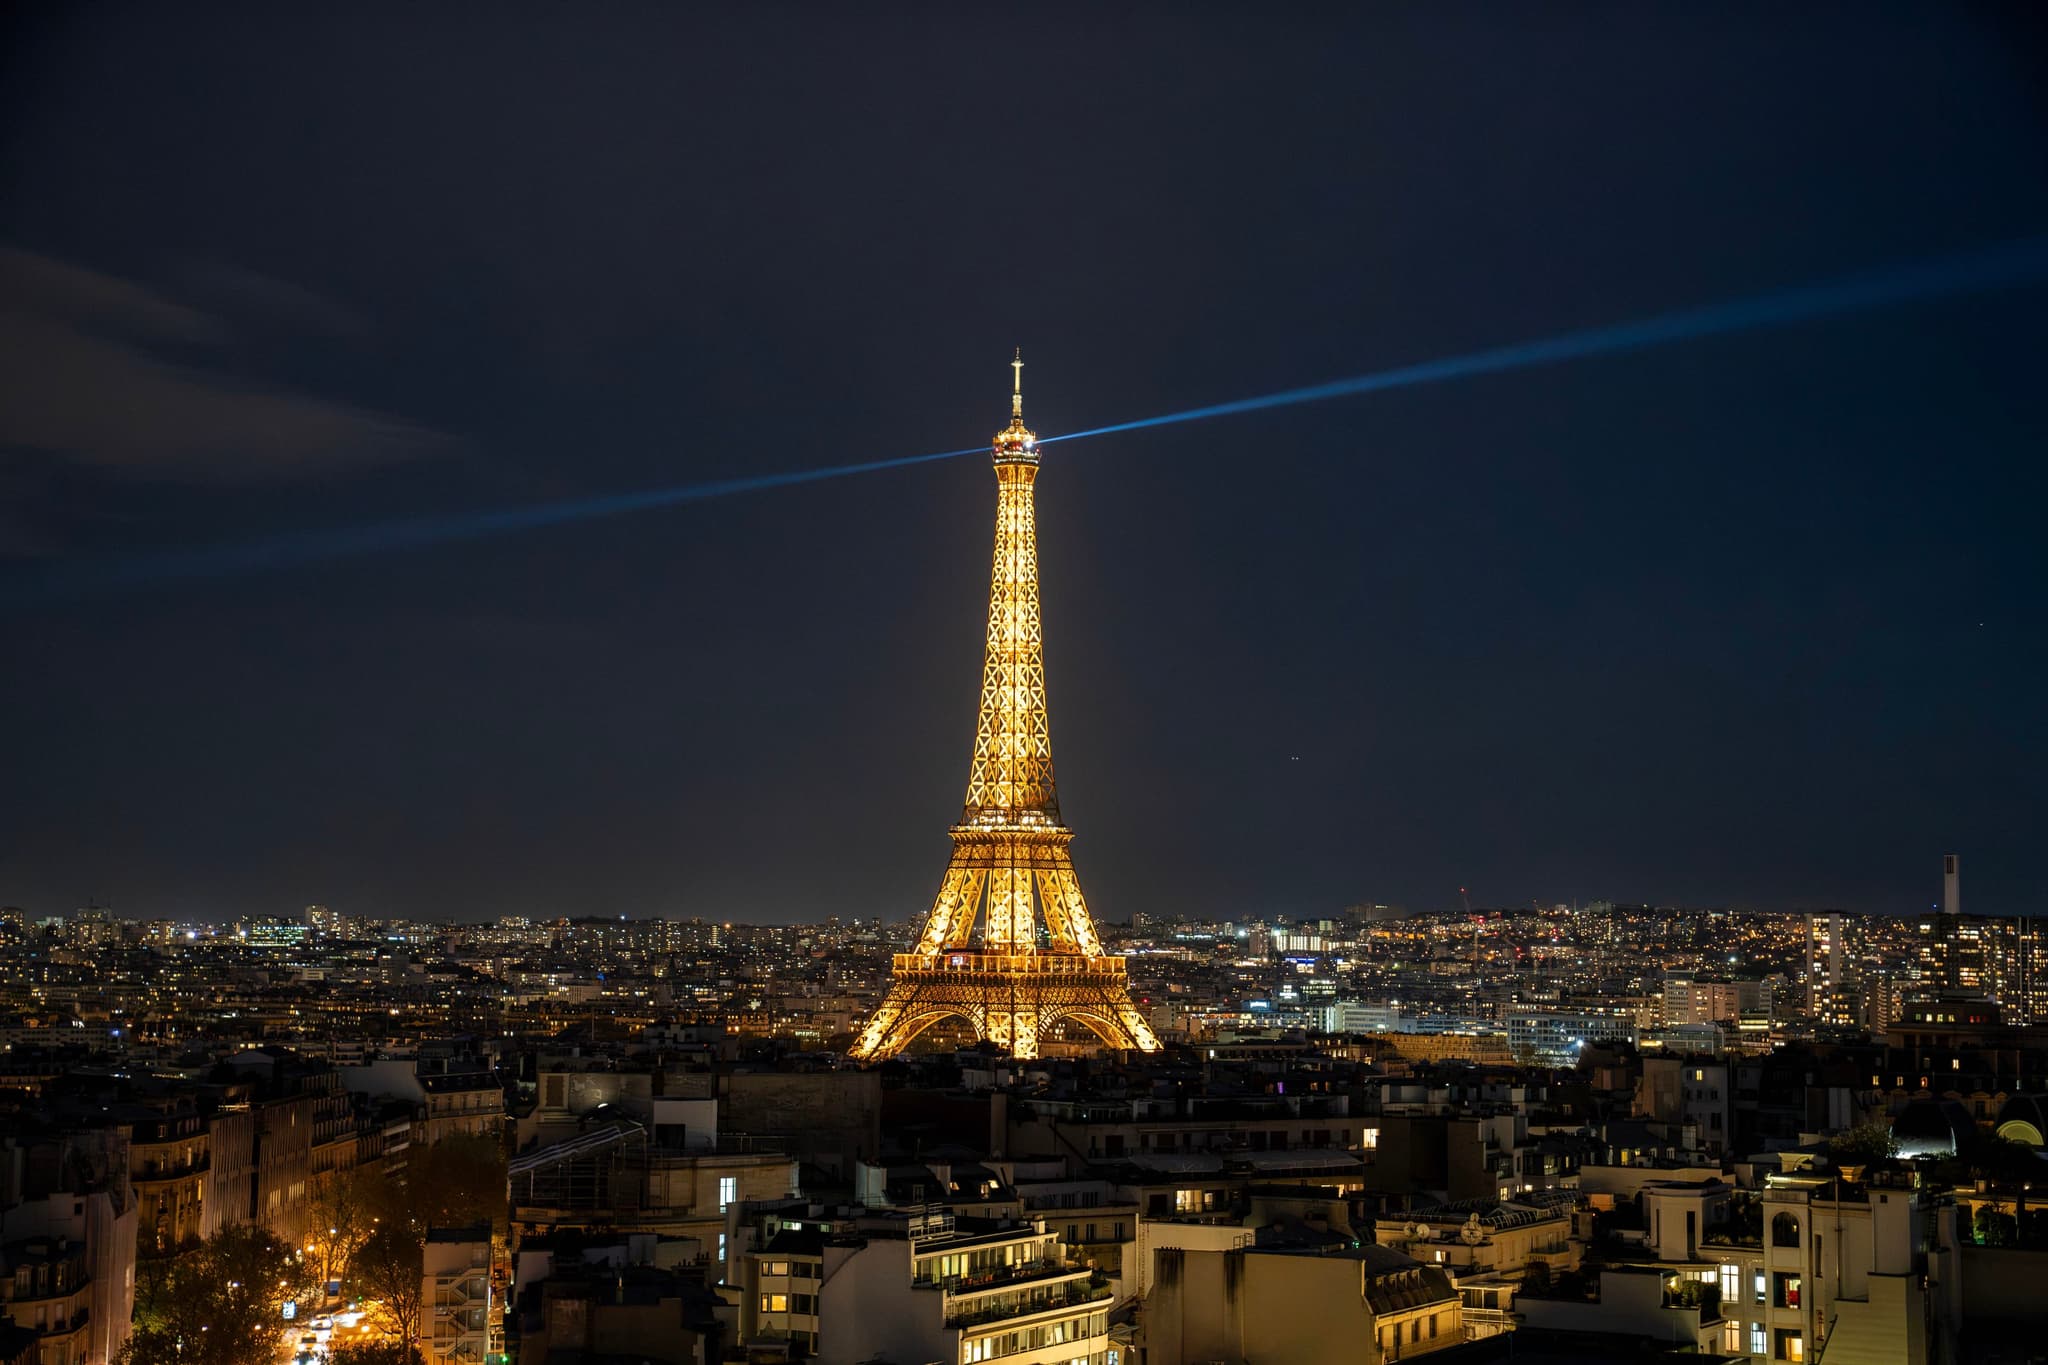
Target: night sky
(1755, 620)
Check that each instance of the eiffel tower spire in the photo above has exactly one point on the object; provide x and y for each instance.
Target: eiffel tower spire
(1011, 877)
(1011, 777)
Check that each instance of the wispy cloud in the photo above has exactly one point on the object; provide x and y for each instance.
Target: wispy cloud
(113, 376)
(267, 300)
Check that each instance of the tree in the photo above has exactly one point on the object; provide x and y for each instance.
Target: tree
(221, 1304)
(1698, 1294)
(375, 1353)
(2001, 1160)
(386, 1270)
(1985, 1156)
(1994, 1227)
(1863, 1145)
(343, 1209)
(457, 1182)
(152, 1284)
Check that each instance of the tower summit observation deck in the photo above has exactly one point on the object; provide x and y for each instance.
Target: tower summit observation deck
(1009, 945)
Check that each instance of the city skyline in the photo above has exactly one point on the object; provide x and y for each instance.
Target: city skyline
(1740, 621)
(528, 820)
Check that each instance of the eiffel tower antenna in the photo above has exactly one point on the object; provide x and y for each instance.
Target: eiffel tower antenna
(1009, 945)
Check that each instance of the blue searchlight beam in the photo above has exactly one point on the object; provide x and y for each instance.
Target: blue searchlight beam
(2019, 263)
(2010, 265)
(291, 549)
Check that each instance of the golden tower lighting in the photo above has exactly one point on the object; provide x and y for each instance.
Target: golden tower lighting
(1036, 960)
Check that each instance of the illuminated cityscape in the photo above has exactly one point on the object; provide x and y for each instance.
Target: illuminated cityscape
(1538, 563)
(1559, 1132)
(1504, 1116)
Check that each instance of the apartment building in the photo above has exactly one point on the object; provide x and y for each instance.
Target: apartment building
(777, 1286)
(169, 1158)
(1486, 1239)
(1812, 1262)
(458, 1315)
(1292, 1305)
(67, 1242)
(1108, 1130)
(667, 1176)
(934, 1287)
(1696, 1094)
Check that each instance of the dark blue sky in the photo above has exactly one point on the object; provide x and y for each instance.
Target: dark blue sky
(1755, 620)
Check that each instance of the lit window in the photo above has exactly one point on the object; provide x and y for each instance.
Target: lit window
(728, 1190)
(775, 1303)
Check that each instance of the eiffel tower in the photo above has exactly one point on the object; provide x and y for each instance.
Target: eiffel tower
(1036, 960)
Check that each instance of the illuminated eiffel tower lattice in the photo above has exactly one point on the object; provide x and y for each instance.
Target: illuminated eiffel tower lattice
(1009, 945)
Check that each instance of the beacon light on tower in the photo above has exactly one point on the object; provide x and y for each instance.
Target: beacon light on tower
(1009, 945)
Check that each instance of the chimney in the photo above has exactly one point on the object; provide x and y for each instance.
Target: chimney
(1951, 884)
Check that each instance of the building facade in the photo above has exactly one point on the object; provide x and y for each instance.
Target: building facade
(932, 1287)
(457, 1311)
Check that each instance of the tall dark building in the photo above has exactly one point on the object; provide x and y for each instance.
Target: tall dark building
(1995, 957)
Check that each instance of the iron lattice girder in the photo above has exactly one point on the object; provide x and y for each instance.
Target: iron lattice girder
(1034, 968)
(1012, 768)
(1010, 870)
(1008, 998)
(1009, 879)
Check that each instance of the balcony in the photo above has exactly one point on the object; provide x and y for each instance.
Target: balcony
(156, 1173)
(1694, 1297)
(75, 1284)
(76, 1323)
(465, 1320)
(460, 1292)
(1066, 1298)
(959, 1286)
(729, 1144)
(1624, 1300)
(1224, 1217)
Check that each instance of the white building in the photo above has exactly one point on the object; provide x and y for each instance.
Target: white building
(1812, 1263)
(456, 1312)
(932, 1288)
(67, 1243)
(1557, 1039)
